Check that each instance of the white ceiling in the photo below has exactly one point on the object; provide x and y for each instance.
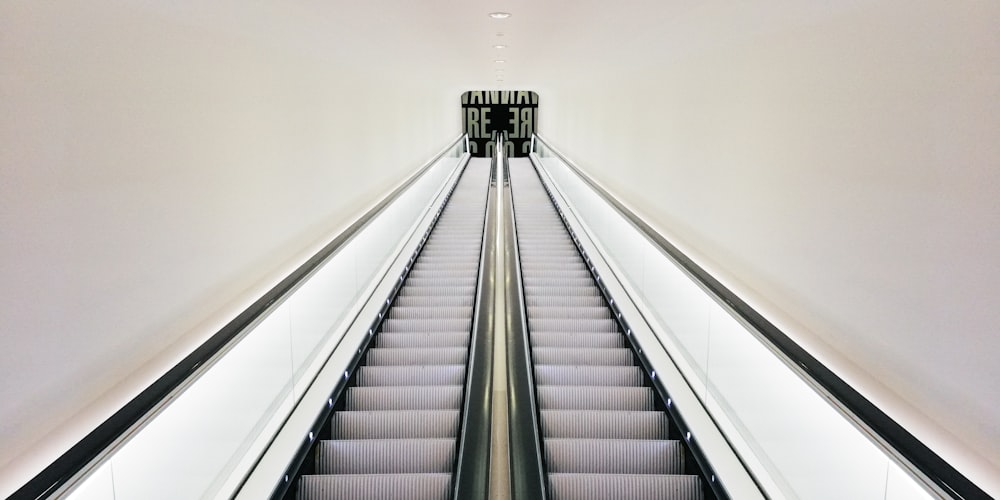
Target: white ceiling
(451, 42)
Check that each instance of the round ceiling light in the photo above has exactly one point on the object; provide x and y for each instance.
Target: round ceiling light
(499, 61)
(499, 46)
(499, 15)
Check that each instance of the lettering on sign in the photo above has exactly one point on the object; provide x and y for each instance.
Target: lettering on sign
(514, 112)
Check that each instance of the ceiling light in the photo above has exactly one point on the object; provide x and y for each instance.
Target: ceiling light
(499, 15)
(499, 46)
(499, 61)
(499, 33)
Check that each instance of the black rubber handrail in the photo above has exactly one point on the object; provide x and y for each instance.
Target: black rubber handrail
(107, 433)
(472, 472)
(905, 444)
(527, 470)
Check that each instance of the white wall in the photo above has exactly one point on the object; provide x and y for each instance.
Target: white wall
(161, 165)
(838, 162)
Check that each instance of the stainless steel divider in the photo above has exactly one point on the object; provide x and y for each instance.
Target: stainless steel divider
(527, 468)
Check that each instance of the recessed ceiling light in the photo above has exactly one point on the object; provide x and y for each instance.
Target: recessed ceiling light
(499, 46)
(500, 34)
(499, 15)
(499, 61)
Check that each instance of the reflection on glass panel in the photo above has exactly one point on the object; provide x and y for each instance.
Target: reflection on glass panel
(795, 435)
(208, 424)
(784, 420)
(681, 309)
(317, 307)
(99, 486)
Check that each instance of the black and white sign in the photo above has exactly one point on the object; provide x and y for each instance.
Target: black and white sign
(512, 111)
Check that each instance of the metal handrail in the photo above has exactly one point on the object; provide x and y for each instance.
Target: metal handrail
(528, 470)
(472, 472)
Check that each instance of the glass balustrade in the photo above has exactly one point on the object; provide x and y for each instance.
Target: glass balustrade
(202, 442)
(783, 428)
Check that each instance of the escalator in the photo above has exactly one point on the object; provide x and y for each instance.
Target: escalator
(604, 432)
(396, 429)
(588, 416)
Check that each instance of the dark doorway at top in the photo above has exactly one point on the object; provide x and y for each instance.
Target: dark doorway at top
(510, 112)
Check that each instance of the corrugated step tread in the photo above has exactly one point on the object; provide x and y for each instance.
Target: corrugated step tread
(407, 375)
(376, 487)
(424, 339)
(624, 376)
(582, 356)
(624, 486)
(572, 325)
(604, 424)
(440, 397)
(424, 312)
(385, 456)
(427, 325)
(567, 312)
(614, 456)
(561, 397)
(402, 424)
(565, 339)
(390, 356)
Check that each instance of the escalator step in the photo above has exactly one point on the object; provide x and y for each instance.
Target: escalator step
(435, 301)
(614, 456)
(569, 312)
(427, 325)
(562, 291)
(410, 290)
(567, 265)
(381, 356)
(447, 397)
(443, 282)
(436, 312)
(548, 273)
(385, 456)
(631, 376)
(624, 486)
(470, 267)
(604, 424)
(441, 273)
(560, 397)
(402, 424)
(558, 339)
(426, 339)
(581, 356)
(376, 486)
(586, 281)
(572, 325)
(411, 375)
(564, 301)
